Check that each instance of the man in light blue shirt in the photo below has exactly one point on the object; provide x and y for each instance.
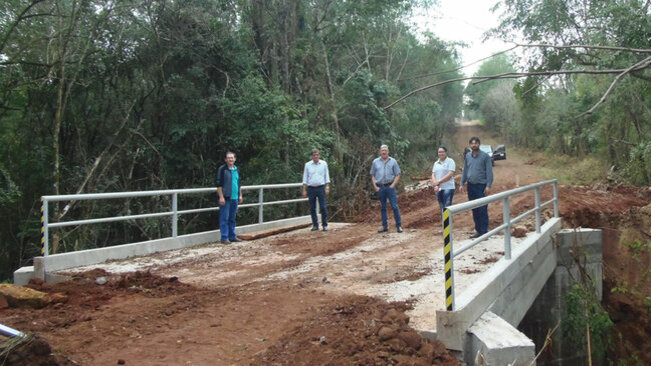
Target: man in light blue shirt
(316, 185)
(385, 174)
(478, 172)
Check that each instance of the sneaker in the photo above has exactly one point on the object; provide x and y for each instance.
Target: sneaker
(475, 236)
(235, 240)
(314, 228)
(399, 229)
(383, 230)
(325, 228)
(226, 241)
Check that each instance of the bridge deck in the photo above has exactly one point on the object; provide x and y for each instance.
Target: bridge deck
(348, 259)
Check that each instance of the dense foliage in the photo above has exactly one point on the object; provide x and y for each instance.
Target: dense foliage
(103, 96)
(548, 112)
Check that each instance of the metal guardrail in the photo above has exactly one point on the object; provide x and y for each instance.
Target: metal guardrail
(174, 213)
(11, 332)
(448, 251)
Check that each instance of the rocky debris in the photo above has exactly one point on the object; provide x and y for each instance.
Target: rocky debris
(24, 297)
(424, 183)
(519, 232)
(386, 333)
(360, 331)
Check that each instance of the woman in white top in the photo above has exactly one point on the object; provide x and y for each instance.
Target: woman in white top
(442, 173)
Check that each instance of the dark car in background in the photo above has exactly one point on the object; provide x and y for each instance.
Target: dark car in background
(499, 153)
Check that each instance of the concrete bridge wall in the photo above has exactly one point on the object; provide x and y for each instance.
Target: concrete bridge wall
(44, 266)
(483, 329)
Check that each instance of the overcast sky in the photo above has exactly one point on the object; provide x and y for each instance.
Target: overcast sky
(463, 20)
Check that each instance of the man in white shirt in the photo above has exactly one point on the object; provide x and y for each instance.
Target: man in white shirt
(316, 185)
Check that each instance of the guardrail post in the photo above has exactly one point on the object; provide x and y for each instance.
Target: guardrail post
(506, 212)
(44, 232)
(555, 198)
(537, 198)
(260, 211)
(449, 267)
(175, 215)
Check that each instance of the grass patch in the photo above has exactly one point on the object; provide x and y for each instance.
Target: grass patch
(568, 169)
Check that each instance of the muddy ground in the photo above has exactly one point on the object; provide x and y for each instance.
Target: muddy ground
(317, 297)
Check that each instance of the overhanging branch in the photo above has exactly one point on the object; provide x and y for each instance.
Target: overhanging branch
(514, 75)
(460, 67)
(638, 66)
(609, 48)
(517, 75)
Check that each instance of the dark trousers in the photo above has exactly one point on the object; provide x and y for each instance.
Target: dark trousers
(444, 197)
(314, 193)
(386, 192)
(227, 214)
(479, 214)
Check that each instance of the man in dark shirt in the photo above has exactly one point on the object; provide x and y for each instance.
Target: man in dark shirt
(228, 185)
(478, 172)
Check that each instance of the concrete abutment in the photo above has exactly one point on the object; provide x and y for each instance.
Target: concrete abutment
(578, 250)
(504, 318)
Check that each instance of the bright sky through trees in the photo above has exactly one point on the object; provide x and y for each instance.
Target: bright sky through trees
(465, 21)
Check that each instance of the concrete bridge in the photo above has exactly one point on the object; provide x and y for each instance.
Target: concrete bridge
(482, 325)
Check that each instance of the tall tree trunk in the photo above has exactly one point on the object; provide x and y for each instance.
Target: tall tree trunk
(333, 104)
(259, 33)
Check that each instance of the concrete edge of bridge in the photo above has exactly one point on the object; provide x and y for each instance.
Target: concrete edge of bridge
(452, 326)
(45, 266)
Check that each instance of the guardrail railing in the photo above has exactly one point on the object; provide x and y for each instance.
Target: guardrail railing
(174, 212)
(11, 332)
(505, 197)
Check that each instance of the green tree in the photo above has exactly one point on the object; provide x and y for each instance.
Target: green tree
(497, 65)
(588, 35)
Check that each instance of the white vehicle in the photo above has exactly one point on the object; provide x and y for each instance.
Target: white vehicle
(488, 150)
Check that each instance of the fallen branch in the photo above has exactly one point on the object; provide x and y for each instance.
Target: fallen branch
(513, 75)
(637, 50)
(460, 67)
(638, 66)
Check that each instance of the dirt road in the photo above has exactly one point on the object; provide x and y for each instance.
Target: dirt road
(296, 298)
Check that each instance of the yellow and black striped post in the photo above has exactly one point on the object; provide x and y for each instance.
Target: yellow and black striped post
(43, 225)
(447, 250)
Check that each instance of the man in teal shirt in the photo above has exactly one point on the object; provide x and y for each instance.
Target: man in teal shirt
(227, 181)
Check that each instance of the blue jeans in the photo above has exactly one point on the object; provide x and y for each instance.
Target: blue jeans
(479, 214)
(227, 214)
(390, 193)
(314, 193)
(444, 197)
